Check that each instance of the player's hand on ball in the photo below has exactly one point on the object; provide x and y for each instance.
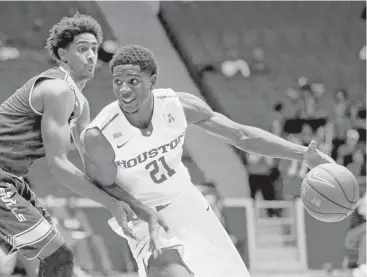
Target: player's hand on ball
(314, 157)
(123, 214)
(156, 222)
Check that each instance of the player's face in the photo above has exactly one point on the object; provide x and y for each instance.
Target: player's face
(132, 87)
(81, 56)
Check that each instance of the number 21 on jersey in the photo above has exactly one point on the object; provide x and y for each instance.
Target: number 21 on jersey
(156, 169)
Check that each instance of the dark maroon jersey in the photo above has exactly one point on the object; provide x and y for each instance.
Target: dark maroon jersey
(20, 125)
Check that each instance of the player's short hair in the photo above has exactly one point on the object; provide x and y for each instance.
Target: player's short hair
(135, 55)
(63, 33)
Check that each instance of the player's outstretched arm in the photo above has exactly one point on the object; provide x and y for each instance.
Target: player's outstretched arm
(102, 170)
(58, 103)
(246, 138)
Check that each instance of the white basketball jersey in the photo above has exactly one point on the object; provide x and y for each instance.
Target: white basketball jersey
(149, 161)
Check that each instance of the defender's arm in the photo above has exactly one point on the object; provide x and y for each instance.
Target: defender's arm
(246, 138)
(102, 170)
(58, 102)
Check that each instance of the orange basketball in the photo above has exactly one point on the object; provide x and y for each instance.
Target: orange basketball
(330, 192)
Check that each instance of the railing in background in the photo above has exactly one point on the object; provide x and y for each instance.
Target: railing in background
(271, 244)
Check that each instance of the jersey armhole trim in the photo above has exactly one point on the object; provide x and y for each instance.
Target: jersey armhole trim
(109, 122)
(30, 92)
(82, 134)
(30, 95)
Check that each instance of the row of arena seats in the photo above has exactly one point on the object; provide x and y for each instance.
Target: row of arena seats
(30, 30)
(319, 40)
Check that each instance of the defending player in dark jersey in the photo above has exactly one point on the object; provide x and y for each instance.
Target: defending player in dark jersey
(36, 122)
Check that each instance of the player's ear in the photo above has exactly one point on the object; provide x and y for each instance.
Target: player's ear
(153, 80)
(62, 54)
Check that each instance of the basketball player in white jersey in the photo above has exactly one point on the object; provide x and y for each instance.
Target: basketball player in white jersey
(135, 143)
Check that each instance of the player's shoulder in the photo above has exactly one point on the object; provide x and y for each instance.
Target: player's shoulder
(164, 93)
(105, 115)
(192, 102)
(53, 91)
(53, 86)
(95, 127)
(183, 98)
(114, 106)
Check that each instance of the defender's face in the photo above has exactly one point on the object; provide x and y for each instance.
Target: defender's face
(82, 54)
(132, 87)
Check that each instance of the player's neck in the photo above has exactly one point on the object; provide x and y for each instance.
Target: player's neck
(79, 83)
(143, 117)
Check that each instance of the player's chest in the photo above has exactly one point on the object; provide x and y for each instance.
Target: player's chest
(136, 152)
(150, 143)
(166, 127)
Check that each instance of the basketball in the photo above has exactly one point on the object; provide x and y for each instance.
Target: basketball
(330, 192)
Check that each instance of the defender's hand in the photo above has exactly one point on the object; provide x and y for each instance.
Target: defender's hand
(314, 157)
(123, 214)
(155, 223)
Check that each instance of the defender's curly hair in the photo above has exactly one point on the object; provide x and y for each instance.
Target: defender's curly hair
(135, 55)
(63, 33)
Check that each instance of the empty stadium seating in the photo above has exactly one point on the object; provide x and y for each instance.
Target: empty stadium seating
(319, 40)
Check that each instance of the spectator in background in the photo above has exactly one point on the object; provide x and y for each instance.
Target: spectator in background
(345, 151)
(307, 134)
(231, 67)
(318, 90)
(323, 141)
(309, 102)
(106, 50)
(234, 65)
(258, 65)
(357, 112)
(358, 164)
(278, 122)
(260, 172)
(292, 104)
(292, 172)
(340, 123)
(361, 125)
(354, 108)
(311, 94)
(341, 99)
